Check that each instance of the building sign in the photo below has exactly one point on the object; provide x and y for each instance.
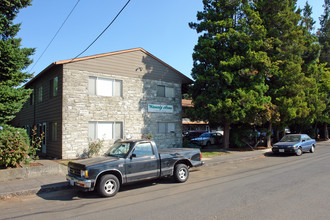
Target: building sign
(160, 108)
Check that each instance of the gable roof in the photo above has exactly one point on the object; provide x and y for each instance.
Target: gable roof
(109, 54)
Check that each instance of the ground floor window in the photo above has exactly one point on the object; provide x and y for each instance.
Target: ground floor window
(166, 127)
(105, 130)
(54, 131)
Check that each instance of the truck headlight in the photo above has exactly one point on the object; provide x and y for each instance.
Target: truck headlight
(84, 173)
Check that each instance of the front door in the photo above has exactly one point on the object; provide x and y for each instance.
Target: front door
(142, 163)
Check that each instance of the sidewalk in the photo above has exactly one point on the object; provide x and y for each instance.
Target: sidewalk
(51, 175)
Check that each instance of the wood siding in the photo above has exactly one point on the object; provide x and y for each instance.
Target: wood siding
(47, 111)
(136, 64)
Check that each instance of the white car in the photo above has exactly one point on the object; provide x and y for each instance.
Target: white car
(207, 139)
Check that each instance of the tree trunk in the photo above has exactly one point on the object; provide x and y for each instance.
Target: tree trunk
(269, 137)
(326, 133)
(316, 133)
(277, 135)
(226, 135)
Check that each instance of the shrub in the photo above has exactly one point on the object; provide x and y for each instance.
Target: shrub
(94, 147)
(149, 136)
(15, 147)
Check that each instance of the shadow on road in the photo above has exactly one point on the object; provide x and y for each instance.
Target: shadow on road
(69, 193)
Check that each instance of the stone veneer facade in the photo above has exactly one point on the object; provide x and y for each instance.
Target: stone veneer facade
(131, 109)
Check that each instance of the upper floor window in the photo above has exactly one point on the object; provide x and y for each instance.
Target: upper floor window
(54, 87)
(32, 98)
(40, 94)
(104, 86)
(164, 91)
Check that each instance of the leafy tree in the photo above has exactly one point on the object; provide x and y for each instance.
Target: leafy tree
(230, 66)
(13, 60)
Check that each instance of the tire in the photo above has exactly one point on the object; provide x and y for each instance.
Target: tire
(181, 173)
(312, 150)
(299, 152)
(108, 186)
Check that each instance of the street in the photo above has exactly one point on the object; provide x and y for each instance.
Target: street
(270, 187)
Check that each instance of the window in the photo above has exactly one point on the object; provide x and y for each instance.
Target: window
(40, 94)
(164, 127)
(104, 86)
(32, 98)
(105, 130)
(143, 149)
(54, 87)
(54, 131)
(164, 91)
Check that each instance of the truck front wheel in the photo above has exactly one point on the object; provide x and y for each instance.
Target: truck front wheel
(181, 173)
(108, 185)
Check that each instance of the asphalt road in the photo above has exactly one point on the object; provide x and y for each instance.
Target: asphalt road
(273, 187)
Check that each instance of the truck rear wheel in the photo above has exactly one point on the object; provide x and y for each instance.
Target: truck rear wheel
(181, 173)
(108, 185)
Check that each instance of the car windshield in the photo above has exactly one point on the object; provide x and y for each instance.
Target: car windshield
(206, 135)
(290, 138)
(119, 149)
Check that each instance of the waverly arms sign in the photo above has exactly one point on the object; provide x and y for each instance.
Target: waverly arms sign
(160, 108)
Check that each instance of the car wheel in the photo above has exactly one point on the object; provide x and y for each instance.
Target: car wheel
(312, 150)
(299, 152)
(108, 185)
(181, 173)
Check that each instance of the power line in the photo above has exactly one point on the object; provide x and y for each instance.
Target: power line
(55, 35)
(102, 31)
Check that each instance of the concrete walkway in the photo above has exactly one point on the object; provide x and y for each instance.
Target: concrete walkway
(51, 176)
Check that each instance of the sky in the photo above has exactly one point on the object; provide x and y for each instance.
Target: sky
(158, 26)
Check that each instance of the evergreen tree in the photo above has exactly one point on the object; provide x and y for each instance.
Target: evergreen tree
(230, 66)
(324, 34)
(313, 70)
(285, 37)
(13, 60)
(324, 70)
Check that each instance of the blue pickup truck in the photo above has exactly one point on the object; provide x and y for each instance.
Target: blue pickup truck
(131, 161)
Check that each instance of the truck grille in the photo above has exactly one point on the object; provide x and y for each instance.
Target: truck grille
(74, 171)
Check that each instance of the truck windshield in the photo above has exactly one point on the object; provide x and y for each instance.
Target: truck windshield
(119, 149)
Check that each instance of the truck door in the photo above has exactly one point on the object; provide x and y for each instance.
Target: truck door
(142, 163)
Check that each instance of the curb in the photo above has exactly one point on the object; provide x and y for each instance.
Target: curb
(37, 190)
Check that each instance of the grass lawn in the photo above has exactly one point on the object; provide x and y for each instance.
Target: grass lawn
(213, 154)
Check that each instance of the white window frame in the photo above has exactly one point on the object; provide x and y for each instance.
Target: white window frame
(168, 91)
(111, 87)
(105, 130)
(166, 127)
